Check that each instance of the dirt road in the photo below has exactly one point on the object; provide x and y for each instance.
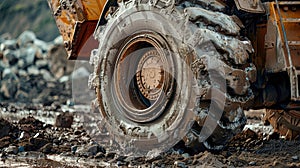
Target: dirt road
(35, 142)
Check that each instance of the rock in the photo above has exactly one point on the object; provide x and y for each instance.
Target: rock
(43, 97)
(101, 149)
(82, 151)
(23, 73)
(185, 155)
(110, 155)
(120, 163)
(41, 64)
(58, 40)
(8, 45)
(42, 45)
(32, 70)
(46, 75)
(24, 135)
(11, 150)
(3, 156)
(30, 54)
(8, 74)
(10, 56)
(99, 155)
(74, 148)
(93, 149)
(179, 164)
(4, 37)
(2, 67)
(21, 96)
(64, 120)
(295, 158)
(56, 141)
(58, 63)
(252, 163)
(64, 79)
(46, 148)
(6, 91)
(21, 63)
(5, 141)
(38, 142)
(31, 121)
(273, 135)
(70, 103)
(37, 135)
(9, 84)
(27, 37)
(5, 128)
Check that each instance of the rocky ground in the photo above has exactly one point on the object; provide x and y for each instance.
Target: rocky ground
(41, 123)
(57, 140)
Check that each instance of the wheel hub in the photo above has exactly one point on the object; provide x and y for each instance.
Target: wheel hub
(150, 75)
(143, 81)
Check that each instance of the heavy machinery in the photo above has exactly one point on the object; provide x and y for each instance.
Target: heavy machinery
(158, 61)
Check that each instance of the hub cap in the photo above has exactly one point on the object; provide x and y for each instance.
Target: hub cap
(150, 75)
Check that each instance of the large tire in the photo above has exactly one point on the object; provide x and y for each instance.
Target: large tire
(201, 68)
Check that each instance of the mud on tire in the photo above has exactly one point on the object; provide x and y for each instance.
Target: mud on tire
(201, 65)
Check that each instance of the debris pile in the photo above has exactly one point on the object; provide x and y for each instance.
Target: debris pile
(30, 134)
(33, 71)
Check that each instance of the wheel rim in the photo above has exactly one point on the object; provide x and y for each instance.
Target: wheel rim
(143, 83)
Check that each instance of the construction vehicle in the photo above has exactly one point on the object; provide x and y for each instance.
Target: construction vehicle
(157, 61)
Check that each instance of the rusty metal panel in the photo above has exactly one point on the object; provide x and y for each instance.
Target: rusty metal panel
(76, 21)
(275, 41)
(275, 57)
(284, 26)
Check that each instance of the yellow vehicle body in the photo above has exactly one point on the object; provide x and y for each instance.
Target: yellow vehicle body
(76, 21)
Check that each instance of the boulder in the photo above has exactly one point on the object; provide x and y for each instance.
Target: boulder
(30, 55)
(58, 63)
(9, 45)
(9, 84)
(27, 37)
(8, 89)
(64, 120)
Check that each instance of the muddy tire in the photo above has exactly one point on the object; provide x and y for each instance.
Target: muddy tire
(285, 122)
(177, 71)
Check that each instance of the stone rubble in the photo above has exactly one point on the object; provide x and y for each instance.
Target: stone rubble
(34, 71)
